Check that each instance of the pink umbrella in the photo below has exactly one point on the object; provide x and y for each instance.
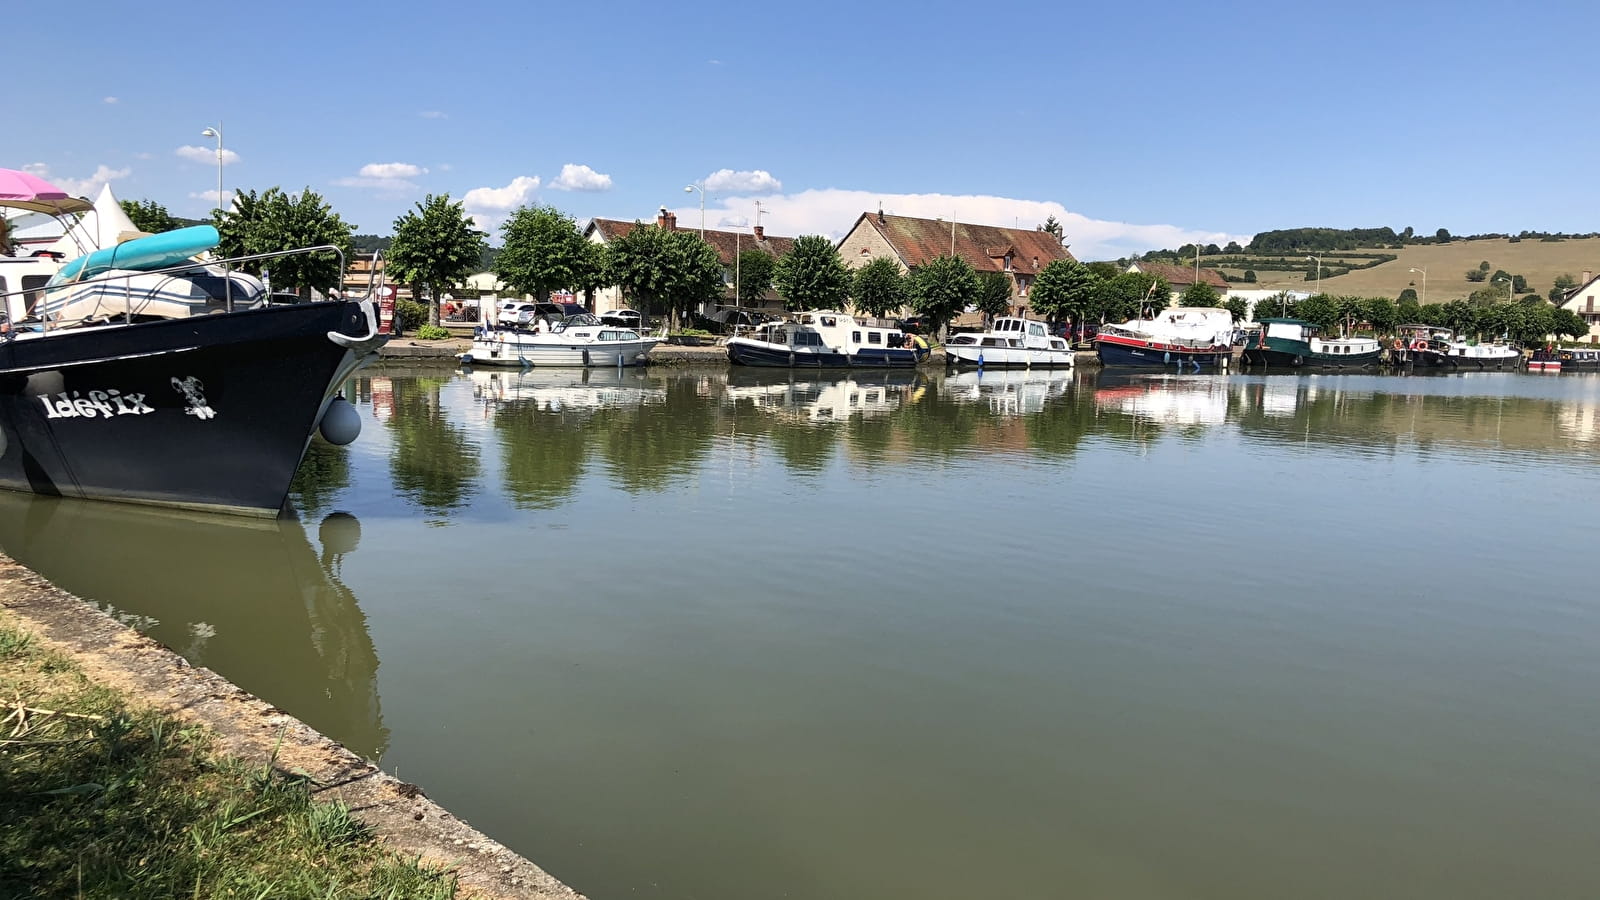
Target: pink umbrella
(20, 190)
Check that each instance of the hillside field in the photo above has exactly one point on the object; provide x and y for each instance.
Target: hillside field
(1447, 266)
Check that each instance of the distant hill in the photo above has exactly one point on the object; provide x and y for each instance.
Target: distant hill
(1376, 262)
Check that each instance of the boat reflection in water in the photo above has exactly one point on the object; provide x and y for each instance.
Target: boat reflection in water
(249, 597)
(560, 390)
(1009, 392)
(1164, 399)
(866, 394)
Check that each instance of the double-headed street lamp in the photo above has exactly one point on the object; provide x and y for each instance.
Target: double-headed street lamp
(1319, 272)
(699, 186)
(1424, 273)
(217, 133)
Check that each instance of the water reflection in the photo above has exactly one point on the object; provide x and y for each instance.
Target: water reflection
(434, 464)
(250, 598)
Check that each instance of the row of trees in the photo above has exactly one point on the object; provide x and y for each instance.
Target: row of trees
(1530, 319)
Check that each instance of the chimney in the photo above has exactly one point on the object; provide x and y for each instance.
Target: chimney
(880, 213)
(667, 221)
(761, 233)
(1587, 276)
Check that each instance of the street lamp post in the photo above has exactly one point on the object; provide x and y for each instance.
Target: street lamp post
(1319, 272)
(217, 133)
(1424, 273)
(702, 189)
(1508, 282)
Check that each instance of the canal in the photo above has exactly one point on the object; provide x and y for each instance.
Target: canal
(700, 634)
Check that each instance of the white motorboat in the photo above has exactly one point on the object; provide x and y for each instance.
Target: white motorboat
(1011, 342)
(579, 341)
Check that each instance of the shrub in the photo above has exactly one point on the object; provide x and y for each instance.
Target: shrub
(432, 332)
(410, 313)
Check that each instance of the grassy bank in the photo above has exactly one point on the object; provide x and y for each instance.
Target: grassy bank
(101, 798)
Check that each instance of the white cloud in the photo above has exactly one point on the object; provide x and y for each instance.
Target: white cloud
(78, 187)
(832, 211)
(389, 178)
(207, 155)
(210, 197)
(751, 182)
(111, 100)
(733, 222)
(433, 114)
(488, 205)
(580, 178)
(391, 170)
(144, 156)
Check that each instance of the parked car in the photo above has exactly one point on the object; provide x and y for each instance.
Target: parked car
(512, 312)
(913, 325)
(736, 320)
(622, 318)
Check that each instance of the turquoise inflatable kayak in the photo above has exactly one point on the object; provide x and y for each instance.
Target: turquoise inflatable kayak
(157, 251)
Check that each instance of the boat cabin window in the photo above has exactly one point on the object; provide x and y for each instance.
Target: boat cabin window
(874, 337)
(994, 342)
(1035, 329)
(829, 321)
(34, 285)
(610, 335)
(806, 339)
(855, 337)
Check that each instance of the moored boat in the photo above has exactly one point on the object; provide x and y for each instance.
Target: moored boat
(1296, 344)
(1197, 337)
(1011, 343)
(1431, 346)
(207, 403)
(826, 339)
(581, 340)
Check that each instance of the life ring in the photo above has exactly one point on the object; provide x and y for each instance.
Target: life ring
(1419, 344)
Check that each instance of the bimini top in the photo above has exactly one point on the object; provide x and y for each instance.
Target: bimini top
(20, 190)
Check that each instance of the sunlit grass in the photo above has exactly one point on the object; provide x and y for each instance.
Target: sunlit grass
(101, 798)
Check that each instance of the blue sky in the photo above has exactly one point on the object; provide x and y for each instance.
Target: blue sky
(1138, 125)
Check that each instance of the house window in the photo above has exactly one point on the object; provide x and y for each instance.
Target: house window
(1022, 286)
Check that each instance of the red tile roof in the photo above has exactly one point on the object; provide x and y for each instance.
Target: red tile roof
(1181, 277)
(984, 247)
(724, 242)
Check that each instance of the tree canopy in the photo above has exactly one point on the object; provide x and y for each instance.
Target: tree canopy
(665, 271)
(994, 294)
(149, 216)
(943, 289)
(542, 251)
(756, 268)
(1200, 294)
(878, 288)
(811, 275)
(1065, 289)
(274, 222)
(435, 245)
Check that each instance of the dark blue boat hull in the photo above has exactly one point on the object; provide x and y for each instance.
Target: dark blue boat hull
(1121, 356)
(741, 354)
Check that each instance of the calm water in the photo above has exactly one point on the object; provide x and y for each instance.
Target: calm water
(693, 635)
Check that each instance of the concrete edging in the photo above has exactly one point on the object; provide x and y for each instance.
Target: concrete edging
(403, 818)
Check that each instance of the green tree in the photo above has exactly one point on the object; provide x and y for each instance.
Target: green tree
(1565, 321)
(1563, 285)
(149, 216)
(1408, 311)
(1052, 226)
(1065, 290)
(756, 268)
(1200, 294)
(1476, 275)
(1320, 309)
(1442, 236)
(1233, 247)
(1408, 294)
(1484, 266)
(994, 295)
(275, 222)
(1382, 313)
(1128, 294)
(1238, 307)
(1250, 276)
(591, 272)
(434, 246)
(811, 275)
(665, 271)
(942, 289)
(878, 288)
(541, 251)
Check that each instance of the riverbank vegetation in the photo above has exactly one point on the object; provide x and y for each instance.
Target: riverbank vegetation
(103, 798)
